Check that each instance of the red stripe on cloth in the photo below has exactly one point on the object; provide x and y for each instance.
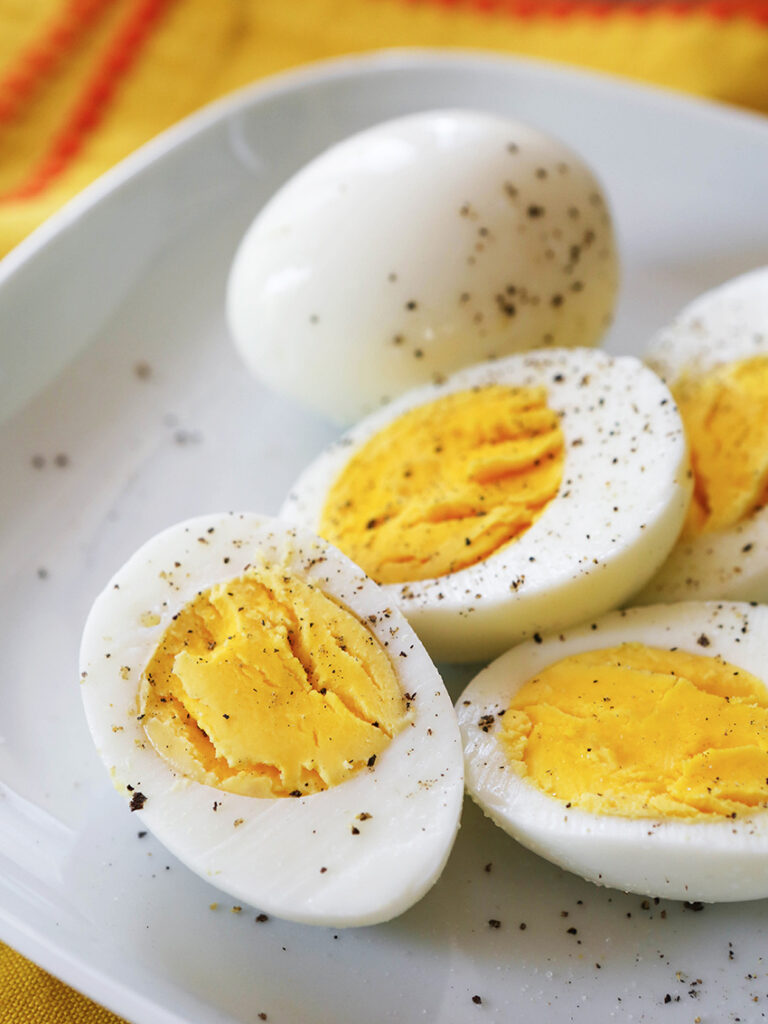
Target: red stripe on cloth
(41, 58)
(720, 10)
(95, 97)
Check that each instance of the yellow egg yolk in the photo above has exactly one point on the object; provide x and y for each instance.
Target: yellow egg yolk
(265, 686)
(641, 732)
(447, 484)
(725, 413)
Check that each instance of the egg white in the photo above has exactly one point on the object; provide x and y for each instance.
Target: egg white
(700, 861)
(727, 324)
(416, 247)
(722, 325)
(620, 507)
(273, 857)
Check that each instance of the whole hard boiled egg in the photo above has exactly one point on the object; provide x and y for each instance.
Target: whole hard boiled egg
(416, 247)
(633, 750)
(519, 496)
(274, 721)
(714, 357)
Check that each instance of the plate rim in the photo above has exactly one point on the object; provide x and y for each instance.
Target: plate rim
(81, 977)
(336, 68)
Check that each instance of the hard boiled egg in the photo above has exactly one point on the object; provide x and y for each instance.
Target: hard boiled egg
(714, 357)
(416, 247)
(517, 497)
(633, 750)
(274, 721)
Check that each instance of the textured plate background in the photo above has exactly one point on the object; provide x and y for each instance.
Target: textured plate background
(124, 408)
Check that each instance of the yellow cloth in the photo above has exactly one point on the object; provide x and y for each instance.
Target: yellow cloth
(198, 50)
(30, 996)
(132, 67)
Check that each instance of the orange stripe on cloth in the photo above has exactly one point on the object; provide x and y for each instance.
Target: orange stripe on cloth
(204, 48)
(40, 59)
(721, 10)
(96, 96)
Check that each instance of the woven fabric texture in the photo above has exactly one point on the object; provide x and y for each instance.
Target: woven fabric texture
(30, 996)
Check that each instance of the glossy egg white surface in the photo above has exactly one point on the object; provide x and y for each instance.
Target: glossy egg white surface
(414, 248)
(711, 861)
(724, 325)
(270, 852)
(619, 510)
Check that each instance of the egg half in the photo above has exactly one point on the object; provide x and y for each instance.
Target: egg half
(274, 721)
(519, 496)
(714, 357)
(634, 750)
(418, 246)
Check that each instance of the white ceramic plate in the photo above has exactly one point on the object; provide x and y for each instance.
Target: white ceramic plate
(131, 275)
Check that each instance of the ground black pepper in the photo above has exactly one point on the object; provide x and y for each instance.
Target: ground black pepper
(137, 801)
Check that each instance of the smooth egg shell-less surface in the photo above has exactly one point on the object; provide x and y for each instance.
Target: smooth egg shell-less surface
(414, 248)
(726, 324)
(618, 512)
(269, 852)
(711, 861)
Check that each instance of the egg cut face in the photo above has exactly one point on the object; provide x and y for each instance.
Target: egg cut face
(520, 496)
(414, 248)
(633, 751)
(491, 460)
(273, 721)
(262, 685)
(714, 357)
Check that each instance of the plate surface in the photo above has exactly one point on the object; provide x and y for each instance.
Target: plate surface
(125, 408)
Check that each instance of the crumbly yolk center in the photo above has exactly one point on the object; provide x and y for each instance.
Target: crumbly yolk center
(447, 484)
(265, 686)
(725, 413)
(642, 732)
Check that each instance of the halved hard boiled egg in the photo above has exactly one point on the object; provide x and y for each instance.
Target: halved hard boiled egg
(414, 248)
(519, 496)
(714, 357)
(274, 721)
(633, 750)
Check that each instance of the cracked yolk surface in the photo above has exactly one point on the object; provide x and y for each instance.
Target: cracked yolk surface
(447, 484)
(725, 413)
(642, 732)
(265, 686)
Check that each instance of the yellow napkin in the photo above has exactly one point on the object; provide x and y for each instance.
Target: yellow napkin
(30, 996)
(84, 82)
(87, 81)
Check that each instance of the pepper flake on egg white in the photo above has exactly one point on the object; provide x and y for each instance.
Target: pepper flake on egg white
(675, 809)
(617, 512)
(170, 640)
